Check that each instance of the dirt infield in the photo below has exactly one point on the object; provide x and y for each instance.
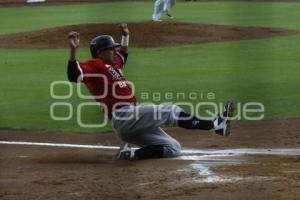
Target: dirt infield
(41, 172)
(145, 34)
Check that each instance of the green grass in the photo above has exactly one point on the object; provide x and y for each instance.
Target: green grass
(284, 15)
(33, 18)
(264, 70)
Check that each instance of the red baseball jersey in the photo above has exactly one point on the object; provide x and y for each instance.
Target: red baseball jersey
(106, 82)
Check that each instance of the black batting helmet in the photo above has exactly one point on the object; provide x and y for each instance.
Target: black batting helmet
(102, 43)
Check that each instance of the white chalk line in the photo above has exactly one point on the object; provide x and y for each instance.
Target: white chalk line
(59, 145)
(208, 152)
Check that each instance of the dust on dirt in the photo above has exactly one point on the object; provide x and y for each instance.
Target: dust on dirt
(143, 34)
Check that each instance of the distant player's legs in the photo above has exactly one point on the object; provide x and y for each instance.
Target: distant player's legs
(158, 9)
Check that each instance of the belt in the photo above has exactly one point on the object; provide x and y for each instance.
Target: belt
(121, 106)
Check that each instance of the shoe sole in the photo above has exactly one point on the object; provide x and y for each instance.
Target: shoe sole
(118, 156)
(229, 113)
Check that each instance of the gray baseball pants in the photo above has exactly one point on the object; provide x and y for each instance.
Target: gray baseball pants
(160, 6)
(141, 125)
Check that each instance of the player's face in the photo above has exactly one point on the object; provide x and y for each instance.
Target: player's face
(109, 56)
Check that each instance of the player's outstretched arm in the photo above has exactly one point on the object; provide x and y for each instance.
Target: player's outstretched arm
(72, 64)
(125, 37)
(74, 42)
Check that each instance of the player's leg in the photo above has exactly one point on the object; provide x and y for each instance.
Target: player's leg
(133, 119)
(154, 143)
(173, 2)
(158, 8)
(221, 124)
(167, 7)
(143, 129)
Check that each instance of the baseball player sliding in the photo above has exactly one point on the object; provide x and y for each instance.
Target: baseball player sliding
(133, 123)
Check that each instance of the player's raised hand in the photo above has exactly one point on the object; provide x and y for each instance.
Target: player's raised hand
(124, 29)
(74, 44)
(74, 39)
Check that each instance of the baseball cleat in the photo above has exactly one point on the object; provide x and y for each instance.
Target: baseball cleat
(222, 122)
(156, 20)
(125, 153)
(169, 15)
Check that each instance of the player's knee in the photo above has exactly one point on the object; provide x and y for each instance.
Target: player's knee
(177, 148)
(172, 150)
